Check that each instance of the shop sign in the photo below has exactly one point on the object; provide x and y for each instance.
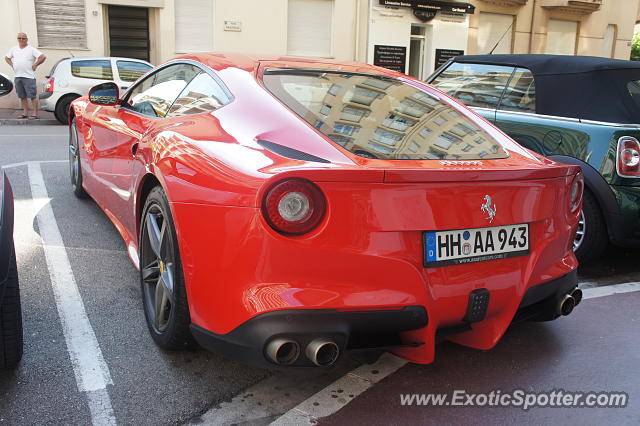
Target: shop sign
(432, 5)
(390, 57)
(443, 55)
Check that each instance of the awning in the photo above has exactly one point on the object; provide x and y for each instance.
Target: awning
(432, 5)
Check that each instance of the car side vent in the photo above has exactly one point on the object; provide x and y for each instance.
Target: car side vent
(287, 152)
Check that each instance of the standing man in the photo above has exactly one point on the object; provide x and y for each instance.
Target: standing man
(25, 60)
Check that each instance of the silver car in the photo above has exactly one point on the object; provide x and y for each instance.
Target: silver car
(71, 78)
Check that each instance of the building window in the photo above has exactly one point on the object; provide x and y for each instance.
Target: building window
(609, 45)
(387, 137)
(310, 25)
(495, 31)
(561, 37)
(194, 25)
(398, 123)
(61, 24)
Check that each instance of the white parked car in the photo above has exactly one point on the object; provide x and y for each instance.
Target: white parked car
(71, 78)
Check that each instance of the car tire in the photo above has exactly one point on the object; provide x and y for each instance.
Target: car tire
(62, 108)
(75, 168)
(594, 239)
(164, 295)
(10, 318)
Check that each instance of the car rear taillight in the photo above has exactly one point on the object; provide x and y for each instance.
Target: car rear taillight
(294, 206)
(575, 193)
(49, 86)
(628, 157)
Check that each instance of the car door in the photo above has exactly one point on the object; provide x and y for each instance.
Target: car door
(119, 130)
(516, 116)
(479, 86)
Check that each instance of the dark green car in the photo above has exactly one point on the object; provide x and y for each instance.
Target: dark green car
(573, 109)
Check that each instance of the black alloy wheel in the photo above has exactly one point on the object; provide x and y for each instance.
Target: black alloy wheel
(163, 292)
(75, 170)
(592, 230)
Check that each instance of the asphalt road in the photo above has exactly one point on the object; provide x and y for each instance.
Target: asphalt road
(147, 385)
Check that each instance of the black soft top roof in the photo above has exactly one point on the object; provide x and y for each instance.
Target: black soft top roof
(585, 87)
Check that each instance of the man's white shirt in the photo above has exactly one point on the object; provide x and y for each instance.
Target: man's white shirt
(23, 60)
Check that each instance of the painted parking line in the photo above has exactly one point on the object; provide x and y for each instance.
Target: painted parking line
(608, 290)
(344, 390)
(90, 369)
(26, 163)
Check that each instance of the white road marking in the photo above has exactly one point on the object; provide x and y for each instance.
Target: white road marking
(90, 369)
(26, 163)
(341, 392)
(608, 290)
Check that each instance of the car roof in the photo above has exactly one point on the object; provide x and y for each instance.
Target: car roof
(251, 62)
(582, 87)
(102, 58)
(552, 64)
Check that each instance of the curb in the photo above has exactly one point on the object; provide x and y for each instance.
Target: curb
(27, 122)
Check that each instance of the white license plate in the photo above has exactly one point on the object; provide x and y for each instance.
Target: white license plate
(460, 246)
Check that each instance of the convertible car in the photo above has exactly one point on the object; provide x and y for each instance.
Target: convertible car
(577, 110)
(10, 309)
(284, 211)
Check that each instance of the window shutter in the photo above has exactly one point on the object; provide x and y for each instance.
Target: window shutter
(561, 37)
(310, 27)
(61, 24)
(194, 25)
(492, 27)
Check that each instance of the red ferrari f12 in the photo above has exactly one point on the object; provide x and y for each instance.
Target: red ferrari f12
(285, 211)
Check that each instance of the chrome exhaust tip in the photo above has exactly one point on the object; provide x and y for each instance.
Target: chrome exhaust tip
(283, 351)
(577, 296)
(566, 305)
(322, 352)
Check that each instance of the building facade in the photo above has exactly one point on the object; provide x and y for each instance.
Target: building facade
(413, 36)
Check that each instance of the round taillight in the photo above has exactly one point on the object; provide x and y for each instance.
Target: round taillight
(575, 193)
(294, 206)
(630, 157)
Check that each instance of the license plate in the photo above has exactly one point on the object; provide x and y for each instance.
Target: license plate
(460, 246)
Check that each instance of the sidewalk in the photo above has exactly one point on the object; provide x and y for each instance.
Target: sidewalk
(10, 117)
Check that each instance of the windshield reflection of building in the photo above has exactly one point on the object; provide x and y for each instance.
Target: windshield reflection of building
(387, 119)
(194, 103)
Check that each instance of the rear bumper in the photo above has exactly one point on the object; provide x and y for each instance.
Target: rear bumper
(351, 331)
(362, 331)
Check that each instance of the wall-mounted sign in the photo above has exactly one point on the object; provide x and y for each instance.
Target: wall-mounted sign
(232, 26)
(390, 57)
(443, 55)
(424, 15)
(432, 5)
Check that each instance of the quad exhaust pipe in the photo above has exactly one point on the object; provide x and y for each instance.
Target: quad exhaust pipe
(283, 351)
(322, 352)
(568, 302)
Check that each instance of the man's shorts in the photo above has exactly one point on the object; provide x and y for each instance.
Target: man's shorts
(26, 87)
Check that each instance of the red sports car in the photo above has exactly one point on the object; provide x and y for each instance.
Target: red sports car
(284, 211)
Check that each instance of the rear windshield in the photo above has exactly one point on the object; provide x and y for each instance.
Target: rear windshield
(380, 117)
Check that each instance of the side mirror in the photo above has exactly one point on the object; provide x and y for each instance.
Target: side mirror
(104, 94)
(6, 85)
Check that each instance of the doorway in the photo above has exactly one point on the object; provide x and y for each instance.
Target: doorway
(416, 51)
(129, 32)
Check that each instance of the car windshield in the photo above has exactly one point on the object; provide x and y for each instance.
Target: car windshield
(381, 117)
